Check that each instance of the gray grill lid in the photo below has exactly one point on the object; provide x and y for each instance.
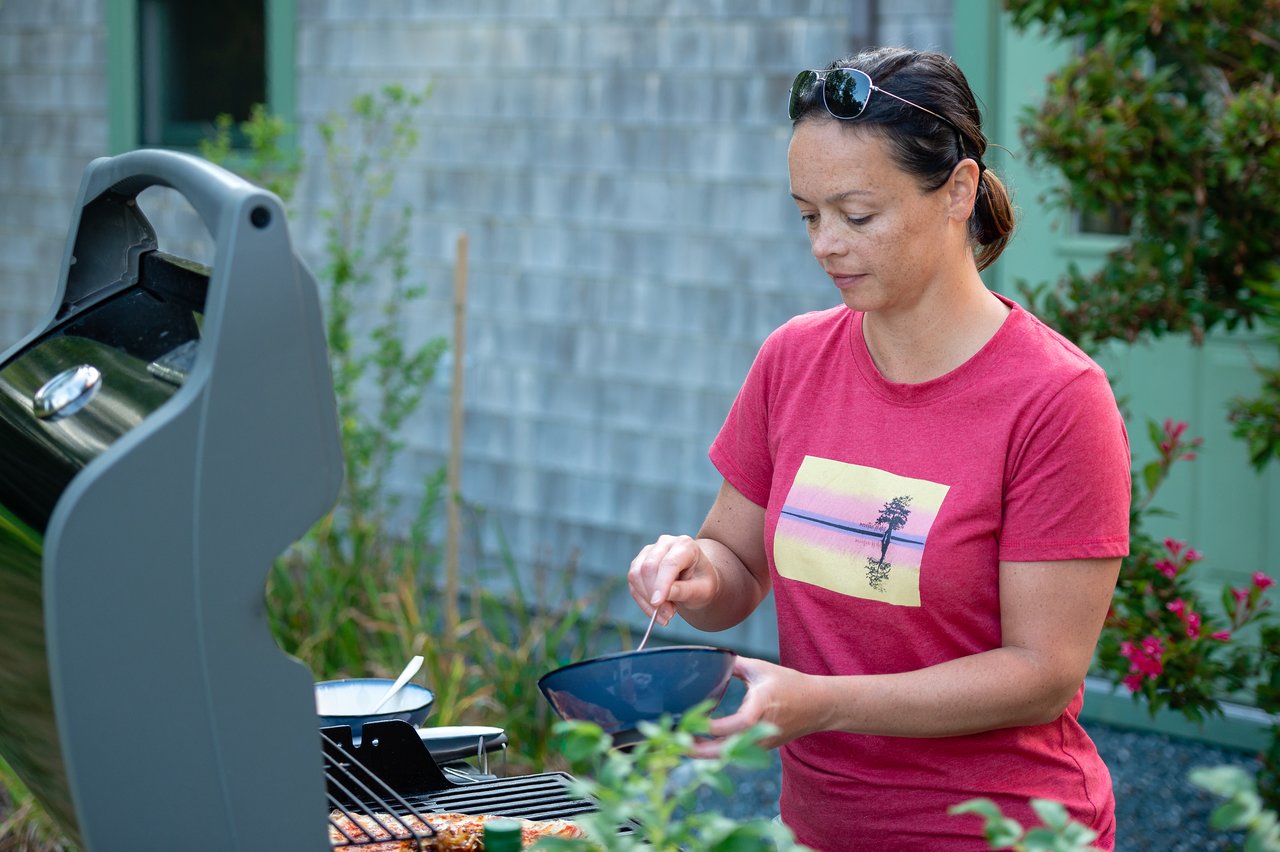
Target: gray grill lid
(141, 694)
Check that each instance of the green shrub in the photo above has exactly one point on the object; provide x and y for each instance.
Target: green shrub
(1169, 116)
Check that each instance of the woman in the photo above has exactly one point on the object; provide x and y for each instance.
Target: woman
(933, 484)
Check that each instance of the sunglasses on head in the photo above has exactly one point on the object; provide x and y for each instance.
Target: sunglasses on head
(845, 94)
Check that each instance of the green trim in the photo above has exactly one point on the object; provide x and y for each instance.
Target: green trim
(1240, 727)
(282, 65)
(122, 75)
(976, 36)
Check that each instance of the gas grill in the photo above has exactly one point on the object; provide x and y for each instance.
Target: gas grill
(165, 433)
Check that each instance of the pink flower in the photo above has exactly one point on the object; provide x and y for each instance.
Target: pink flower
(1241, 595)
(1174, 547)
(1167, 568)
(1134, 682)
(1193, 555)
(1193, 624)
(1262, 581)
(1177, 607)
(1145, 657)
(1222, 636)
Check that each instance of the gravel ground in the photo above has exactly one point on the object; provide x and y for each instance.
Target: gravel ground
(1157, 808)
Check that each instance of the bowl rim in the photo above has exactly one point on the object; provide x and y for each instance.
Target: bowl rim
(662, 649)
(429, 695)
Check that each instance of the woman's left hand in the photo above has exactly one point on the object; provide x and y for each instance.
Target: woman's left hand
(784, 698)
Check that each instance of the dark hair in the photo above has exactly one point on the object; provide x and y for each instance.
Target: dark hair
(920, 143)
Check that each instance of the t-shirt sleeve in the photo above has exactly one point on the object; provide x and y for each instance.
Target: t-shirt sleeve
(742, 451)
(1068, 489)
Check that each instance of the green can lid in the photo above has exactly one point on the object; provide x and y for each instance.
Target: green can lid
(504, 832)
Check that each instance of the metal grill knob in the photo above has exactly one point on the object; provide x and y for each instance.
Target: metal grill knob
(67, 392)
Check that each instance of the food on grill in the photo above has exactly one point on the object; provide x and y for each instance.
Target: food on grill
(452, 832)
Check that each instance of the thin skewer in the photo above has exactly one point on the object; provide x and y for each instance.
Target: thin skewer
(649, 629)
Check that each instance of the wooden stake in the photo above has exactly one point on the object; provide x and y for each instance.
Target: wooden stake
(454, 531)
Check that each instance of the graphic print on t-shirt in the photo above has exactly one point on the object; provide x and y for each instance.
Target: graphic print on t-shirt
(856, 530)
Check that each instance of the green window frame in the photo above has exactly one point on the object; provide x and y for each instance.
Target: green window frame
(124, 69)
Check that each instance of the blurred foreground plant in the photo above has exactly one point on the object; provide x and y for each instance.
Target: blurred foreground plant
(1244, 808)
(1058, 832)
(639, 786)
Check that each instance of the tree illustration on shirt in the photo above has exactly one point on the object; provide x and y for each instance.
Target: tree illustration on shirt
(894, 517)
(843, 526)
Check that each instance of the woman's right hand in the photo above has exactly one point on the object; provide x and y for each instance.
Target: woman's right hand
(673, 570)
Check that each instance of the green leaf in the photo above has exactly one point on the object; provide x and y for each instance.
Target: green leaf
(743, 838)
(1003, 832)
(1237, 813)
(981, 807)
(1043, 840)
(1051, 813)
(1151, 474)
(1222, 780)
(1079, 836)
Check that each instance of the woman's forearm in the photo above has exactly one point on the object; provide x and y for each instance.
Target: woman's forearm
(1000, 688)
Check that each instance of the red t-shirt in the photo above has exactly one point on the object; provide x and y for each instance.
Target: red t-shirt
(888, 510)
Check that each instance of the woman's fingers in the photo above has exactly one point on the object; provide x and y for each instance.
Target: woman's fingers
(765, 701)
(658, 573)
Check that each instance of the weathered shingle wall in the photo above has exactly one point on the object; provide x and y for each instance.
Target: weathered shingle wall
(53, 111)
(619, 168)
(620, 171)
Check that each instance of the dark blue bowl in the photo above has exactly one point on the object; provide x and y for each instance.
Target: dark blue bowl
(348, 702)
(618, 691)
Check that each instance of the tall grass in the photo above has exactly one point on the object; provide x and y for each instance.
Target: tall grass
(24, 825)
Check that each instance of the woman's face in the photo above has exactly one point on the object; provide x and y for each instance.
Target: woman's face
(886, 243)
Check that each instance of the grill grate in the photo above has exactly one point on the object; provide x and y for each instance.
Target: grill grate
(542, 796)
(392, 773)
(365, 810)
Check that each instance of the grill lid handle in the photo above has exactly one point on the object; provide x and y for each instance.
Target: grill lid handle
(212, 192)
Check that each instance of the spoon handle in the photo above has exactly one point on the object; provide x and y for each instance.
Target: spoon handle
(409, 671)
(648, 630)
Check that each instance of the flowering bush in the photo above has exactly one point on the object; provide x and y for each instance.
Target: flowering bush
(1161, 640)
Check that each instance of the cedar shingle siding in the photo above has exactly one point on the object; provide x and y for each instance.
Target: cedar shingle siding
(620, 170)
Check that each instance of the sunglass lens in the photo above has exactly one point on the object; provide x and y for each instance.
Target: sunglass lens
(847, 90)
(801, 91)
